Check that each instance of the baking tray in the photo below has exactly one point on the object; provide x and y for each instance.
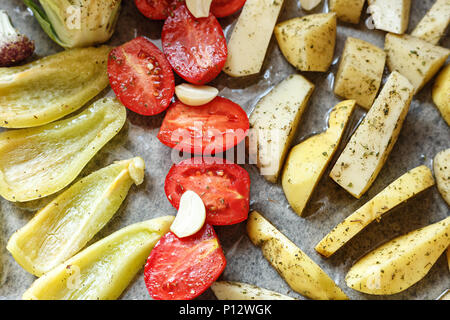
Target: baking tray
(424, 133)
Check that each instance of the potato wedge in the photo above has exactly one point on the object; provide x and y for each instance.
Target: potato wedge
(230, 290)
(390, 15)
(441, 93)
(274, 122)
(401, 262)
(360, 71)
(103, 270)
(308, 42)
(399, 191)
(49, 89)
(441, 166)
(301, 273)
(363, 157)
(347, 10)
(448, 257)
(308, 160)
(414, 58)
(49, 239)
(251, 36)
(433, 25)
(38, 162)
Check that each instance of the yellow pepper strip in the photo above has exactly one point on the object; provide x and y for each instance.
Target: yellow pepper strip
(103, 270)
(65, 225)
(399, 191)
(301, 273)
(401, 262)
(52, 87)
(38, 162)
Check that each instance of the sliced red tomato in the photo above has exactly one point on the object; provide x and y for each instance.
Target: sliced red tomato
(223, 8)
(157, 9)
(209, 129)
(196, 48)
(223, 187)
(183, 268)
(141, 77)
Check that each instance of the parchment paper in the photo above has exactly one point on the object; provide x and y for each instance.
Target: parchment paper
(424, 134)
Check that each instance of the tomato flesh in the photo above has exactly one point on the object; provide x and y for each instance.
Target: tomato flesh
(223, 8)
(196, 48)
(157, 9)
(209, 129)
(141, 77)
(223, 187)
(183, 268)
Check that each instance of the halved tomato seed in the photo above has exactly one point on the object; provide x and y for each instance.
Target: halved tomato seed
(183, 268)
(141, 76)
(196, 48)
(208, 129)
(223, 8)
(157, 9)
(223, 187)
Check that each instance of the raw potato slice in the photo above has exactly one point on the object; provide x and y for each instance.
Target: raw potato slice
(360, 72)
(103, 270)
(390, 15)
(274, 122)
(251, 36)
(362, 159)
(441, 166)
(40, 161)
(308, 160)
(401, 262)
(301, 273)
(441, 93)
(347, 10)
(308, 42)
(416, 59)
(229, 290)
(399, 191)
(49, 89)
(433, 25)
(65, 225)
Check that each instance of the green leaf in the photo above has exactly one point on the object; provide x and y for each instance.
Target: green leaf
(43, 20)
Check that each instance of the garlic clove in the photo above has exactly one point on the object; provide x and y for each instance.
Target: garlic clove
(195, 95)
(309, 4)
(191, 215)
(199, 8)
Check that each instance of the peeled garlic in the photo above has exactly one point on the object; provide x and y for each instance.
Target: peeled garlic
(195, 95)
(191, 215)
(199, 8)
(309, 4)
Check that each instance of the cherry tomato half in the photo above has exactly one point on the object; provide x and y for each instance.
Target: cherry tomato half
(223, 187)
(157, 9)
(141, 77)
(208, 129)
(223, 8)
(183, 268)
(196, 48)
